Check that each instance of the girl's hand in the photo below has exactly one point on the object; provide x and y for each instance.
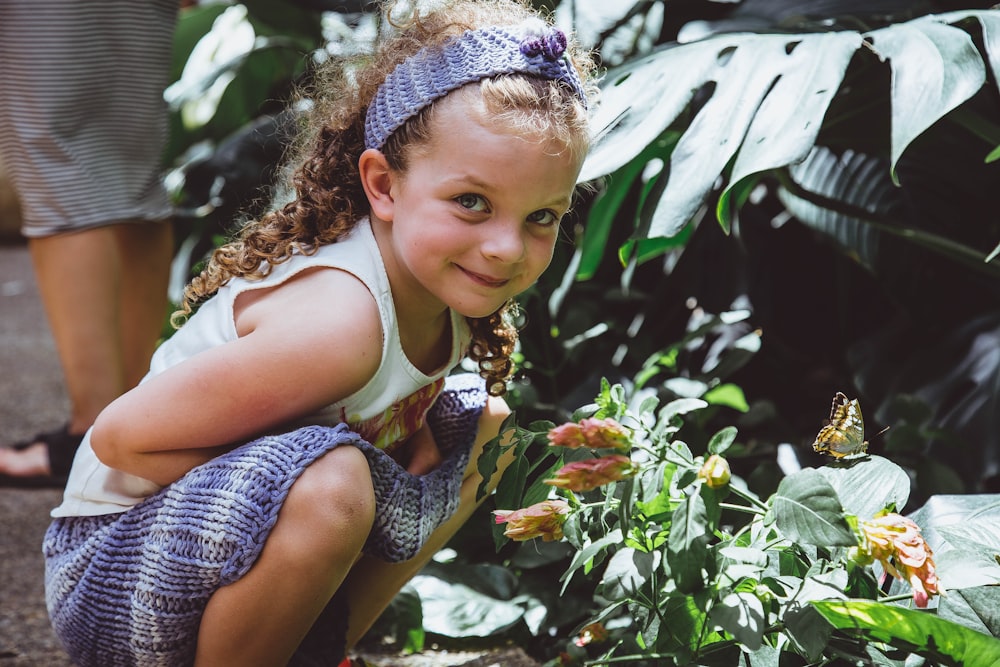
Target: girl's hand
(420, 454)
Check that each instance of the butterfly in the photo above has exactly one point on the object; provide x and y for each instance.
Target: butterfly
(844, 433)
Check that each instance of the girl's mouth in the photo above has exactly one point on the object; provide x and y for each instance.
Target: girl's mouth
(484, 280)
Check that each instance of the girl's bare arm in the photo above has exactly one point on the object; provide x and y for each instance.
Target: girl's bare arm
(302, 345)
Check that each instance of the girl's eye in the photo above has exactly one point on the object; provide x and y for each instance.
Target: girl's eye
(472, 202)
(544, 217)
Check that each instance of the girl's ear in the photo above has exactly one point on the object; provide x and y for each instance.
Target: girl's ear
(377, 179)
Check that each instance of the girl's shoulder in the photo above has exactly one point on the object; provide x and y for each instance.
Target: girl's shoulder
(322, 326)
(319, 298)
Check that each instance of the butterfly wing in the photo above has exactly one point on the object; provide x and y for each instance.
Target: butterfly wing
(844, 435)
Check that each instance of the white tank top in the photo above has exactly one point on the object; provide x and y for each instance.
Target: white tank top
(386, 411)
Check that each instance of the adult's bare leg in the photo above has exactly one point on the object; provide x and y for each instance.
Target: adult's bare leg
(78, 275)
(145, 252)
(104, 290)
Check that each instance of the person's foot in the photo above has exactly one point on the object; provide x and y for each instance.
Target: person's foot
(31, 461)
(42, 461)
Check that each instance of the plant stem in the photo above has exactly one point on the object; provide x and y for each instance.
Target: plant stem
(742, 508)
(747, 497)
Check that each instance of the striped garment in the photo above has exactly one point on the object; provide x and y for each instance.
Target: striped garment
(129, 589)
(83, 123)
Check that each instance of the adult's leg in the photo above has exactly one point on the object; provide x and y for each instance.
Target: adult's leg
(145, 252)
(82, 162)
(105, 295)
(322, 526)
(372, 583)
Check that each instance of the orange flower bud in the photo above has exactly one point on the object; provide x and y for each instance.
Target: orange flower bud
(897, 543)
(595, 633)
(544, 519)
(586, 475)
(715, 472)
(593, 433)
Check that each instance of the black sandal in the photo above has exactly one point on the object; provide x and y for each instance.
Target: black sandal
(61, 446)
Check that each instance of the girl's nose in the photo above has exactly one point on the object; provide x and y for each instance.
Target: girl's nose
(505, 241)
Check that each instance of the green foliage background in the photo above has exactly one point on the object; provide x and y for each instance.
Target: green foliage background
(791, 199)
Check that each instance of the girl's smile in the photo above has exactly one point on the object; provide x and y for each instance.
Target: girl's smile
(473, 218)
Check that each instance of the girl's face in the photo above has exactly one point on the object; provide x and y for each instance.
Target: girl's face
(475, 216)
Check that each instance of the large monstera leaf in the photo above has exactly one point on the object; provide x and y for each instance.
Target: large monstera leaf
(747, 104)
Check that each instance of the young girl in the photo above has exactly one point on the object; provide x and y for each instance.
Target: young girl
(428, 196)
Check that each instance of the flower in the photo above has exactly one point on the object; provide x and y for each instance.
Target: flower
(544, 519)
(595, 633)
(593, 433)
(896, 542)
(586, 475)
(715, 472)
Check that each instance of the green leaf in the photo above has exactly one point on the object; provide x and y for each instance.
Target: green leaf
(765, 656)
(192, 24)
(959, 568)
(289, 20)
(867, 486)
(628, 574)
(658, 507)
(456, 610)
(409, 619)
(639, 100)
(742, 616)
(687, 546)
(604, 211)
(917, 631)
(746, 66)
(975, 608)
(807, 630)
(681, 406)
(486, 465)
(729, 395)
(963, 531)
(722, 440)
(586, 555)
(935, 67)
(990, 22)
(807, 510)
(683, 629)
(785, 126)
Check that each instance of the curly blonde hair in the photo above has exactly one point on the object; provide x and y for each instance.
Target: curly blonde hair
(328, 198)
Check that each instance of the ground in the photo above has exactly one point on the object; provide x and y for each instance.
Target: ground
(32, 399)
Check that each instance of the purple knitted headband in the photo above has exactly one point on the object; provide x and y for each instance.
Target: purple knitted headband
(529, 48)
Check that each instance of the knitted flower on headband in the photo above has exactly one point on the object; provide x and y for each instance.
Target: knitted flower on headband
(532, 47)
(540, 40)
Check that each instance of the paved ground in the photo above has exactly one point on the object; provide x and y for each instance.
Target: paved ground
(32, 399)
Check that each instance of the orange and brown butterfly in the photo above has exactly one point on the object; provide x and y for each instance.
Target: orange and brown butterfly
(844, 434)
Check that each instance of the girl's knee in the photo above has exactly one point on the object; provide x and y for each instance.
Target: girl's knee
(492, 418)
(494, 412)
(334, 495)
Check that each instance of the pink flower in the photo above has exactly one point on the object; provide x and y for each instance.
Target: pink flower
(593, 433)
(896, 542)
(595, 633)
(544, 519)
(586, 475)
(715, 472)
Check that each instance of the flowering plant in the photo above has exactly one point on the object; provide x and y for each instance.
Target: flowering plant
(688, 566)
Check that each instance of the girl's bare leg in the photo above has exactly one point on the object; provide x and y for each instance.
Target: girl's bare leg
(262, 618)
(372, 584)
